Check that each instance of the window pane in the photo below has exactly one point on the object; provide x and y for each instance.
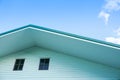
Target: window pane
(45, 67)
(20, 67)
(22, 61)
(42, 60)
(15, 67)
(41, 68)
(17, 61)
(46, 61)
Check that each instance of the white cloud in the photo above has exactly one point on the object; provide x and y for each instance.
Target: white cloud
(110, 6)
(105, 16)
(113, 40)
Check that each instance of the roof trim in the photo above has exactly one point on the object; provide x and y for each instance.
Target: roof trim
(7, 32)
(64, 33)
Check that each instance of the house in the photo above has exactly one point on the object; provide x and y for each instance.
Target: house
(37, 53)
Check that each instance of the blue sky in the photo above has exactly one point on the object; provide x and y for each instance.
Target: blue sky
(99, 19)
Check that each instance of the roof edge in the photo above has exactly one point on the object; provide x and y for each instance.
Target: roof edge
(9, 31)
(64, 33)
(76, 36)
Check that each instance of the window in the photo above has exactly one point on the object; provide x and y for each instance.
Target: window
(44, 64)
(19, 64)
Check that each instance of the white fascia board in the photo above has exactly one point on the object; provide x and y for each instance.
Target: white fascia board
(76, 38)
(13, 32)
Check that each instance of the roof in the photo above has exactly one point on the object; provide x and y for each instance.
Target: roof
(83, 47)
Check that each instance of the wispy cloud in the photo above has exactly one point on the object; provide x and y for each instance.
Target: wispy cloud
(109, 7)
(112, 5)
(105, 16)
(114, 39)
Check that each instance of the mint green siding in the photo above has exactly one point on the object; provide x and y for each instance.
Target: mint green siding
(62, 67)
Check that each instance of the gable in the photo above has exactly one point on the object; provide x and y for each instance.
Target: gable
(82, 47)
(61, 66)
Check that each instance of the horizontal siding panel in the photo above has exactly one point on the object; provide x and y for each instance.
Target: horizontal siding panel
(61, 66)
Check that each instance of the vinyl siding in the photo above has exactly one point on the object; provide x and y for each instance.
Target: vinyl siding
(61, 67)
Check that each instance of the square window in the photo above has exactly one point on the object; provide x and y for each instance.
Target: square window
(44, 64)
(18, 64)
